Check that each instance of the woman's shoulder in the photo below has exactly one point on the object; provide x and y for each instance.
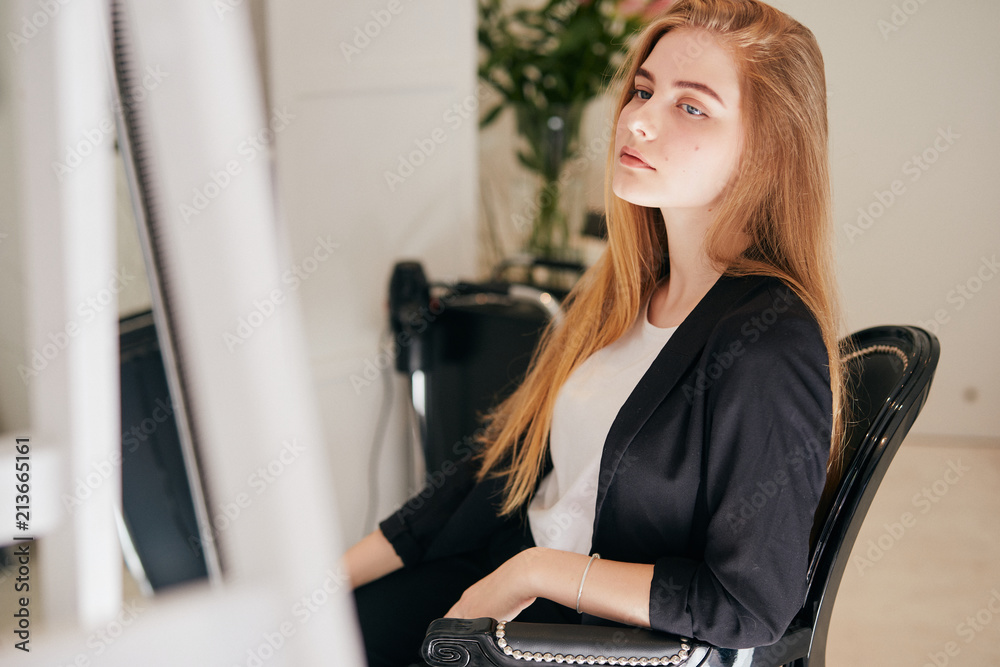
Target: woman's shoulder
(766, 297)
(768, 316)
(768, 341)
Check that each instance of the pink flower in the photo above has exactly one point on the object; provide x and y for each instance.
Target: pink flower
(655, 8)
(645, 8)
(632, 7)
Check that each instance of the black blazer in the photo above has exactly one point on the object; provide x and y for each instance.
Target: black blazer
(712, 471)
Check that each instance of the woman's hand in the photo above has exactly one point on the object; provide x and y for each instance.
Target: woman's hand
(503, 594)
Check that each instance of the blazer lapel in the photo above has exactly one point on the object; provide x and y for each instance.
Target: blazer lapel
(680, 351)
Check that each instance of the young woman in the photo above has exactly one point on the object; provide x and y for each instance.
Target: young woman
(682, 421)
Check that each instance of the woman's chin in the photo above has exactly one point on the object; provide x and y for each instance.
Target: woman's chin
(637, 198)
(625, 192)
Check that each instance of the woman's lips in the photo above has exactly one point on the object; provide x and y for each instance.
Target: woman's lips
(633, 158)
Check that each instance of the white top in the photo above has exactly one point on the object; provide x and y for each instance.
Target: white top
(561, 514)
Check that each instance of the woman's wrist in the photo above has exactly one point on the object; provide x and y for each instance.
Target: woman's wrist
(526, 575)
(551, 574)
(529, 575)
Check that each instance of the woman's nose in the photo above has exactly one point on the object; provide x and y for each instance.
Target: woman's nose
(640, 123)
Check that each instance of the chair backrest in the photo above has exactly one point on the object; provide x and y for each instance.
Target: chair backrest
(889, 376)
(476, 351)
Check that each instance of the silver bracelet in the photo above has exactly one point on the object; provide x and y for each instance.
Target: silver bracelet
(583, 579)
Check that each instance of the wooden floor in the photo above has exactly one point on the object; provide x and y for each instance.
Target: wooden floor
(923, 586)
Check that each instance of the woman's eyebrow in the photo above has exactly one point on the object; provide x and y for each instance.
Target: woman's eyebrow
(693, 85)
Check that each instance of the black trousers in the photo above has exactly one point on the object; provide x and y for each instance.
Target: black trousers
(394, 611)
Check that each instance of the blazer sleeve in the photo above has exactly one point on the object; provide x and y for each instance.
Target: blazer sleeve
(454, 514)
(413, 528)
(767, 436)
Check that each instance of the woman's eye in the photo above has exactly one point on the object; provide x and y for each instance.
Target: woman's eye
(641, 94)
(694, 111)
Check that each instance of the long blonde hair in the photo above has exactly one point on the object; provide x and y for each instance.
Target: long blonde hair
(779, 199)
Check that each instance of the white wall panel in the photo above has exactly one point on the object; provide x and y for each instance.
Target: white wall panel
(908, 79)
(354, 115)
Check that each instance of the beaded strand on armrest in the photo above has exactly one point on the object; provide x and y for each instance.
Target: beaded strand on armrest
(678, 658)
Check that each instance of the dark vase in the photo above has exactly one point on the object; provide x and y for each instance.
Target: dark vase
(550, 139)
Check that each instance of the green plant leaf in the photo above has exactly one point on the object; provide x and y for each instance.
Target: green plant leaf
(491, 115)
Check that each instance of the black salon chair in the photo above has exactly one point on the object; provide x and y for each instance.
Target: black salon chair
(890, 370)
(468, 346)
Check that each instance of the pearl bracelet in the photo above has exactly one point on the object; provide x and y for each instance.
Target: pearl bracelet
(584, 579)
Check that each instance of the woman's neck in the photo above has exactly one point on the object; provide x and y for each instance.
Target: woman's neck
(691, 272)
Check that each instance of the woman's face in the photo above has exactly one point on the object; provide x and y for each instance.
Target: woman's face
(678, 139)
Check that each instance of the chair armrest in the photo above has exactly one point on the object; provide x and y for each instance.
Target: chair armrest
(483, 642)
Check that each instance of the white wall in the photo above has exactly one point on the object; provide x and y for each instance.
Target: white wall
(903, 85)
(365, 84)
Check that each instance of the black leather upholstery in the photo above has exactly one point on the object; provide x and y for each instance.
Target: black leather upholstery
(477, 642)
